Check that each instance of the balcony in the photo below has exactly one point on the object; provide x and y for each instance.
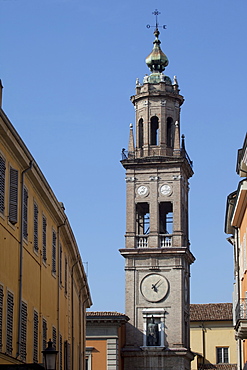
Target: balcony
(165, 241)
(142, 241)
(241, 318)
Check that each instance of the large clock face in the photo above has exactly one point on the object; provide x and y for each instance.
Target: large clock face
(154, 287)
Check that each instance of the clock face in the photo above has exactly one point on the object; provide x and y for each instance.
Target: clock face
(166, 189)
(154, 287)
(142, 190)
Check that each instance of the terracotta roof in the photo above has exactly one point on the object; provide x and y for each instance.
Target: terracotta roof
(218, 366)
(211, 312)
(106, 315)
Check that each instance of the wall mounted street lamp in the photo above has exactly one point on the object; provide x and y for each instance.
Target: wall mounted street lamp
(50, 356)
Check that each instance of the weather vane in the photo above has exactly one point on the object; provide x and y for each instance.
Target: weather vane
(156, 13)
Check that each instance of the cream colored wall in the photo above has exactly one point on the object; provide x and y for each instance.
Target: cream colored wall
(217, 334)
(41, 289)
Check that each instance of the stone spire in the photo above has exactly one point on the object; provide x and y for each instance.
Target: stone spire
(131, 147)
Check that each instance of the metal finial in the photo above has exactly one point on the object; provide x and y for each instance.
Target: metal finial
(156, 13)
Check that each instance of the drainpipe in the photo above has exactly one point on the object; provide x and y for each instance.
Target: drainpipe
(72, 310)
(20, 262)
(58, 289)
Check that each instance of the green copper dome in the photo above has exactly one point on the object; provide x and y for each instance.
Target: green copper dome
(157, 60)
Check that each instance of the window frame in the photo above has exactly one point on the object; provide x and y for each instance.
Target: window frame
(220, 355)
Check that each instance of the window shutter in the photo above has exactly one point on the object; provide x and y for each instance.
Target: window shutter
(61, 351)
(35, 336)
(1, 317)
(44, 238)
(25, 204)
(54, 337)
(13, 196)
(44, 334)
(35, 227)
(2, 184)
(66, 276)
(54, 251)
(23, 349)
(60, 263)
(10, 313)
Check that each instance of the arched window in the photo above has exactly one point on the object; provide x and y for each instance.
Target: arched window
(154, 130)
(140, 136)
(169, 131)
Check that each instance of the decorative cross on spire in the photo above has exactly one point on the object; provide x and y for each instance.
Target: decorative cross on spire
(156, 13)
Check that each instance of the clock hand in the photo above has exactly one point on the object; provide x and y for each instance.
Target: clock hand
(154, 285)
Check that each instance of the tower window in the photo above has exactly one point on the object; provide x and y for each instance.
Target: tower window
(169, 131)
(154, 130)
(142, 218)
(140, 131)
(166, 217)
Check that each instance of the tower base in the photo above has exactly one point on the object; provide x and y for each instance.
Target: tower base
(157, 358)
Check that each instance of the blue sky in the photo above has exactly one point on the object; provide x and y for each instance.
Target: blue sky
(69, 67)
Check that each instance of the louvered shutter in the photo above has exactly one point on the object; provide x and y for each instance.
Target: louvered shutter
(23, 348)
(1, 317)
(44, 238)
(13, 196)
(61, 351)
(35, 335)
(54, 337)
(2, 184)
(44, 333)
(9, 332)
(54, 240)
(25, 210)
(60, 263)
(35, 227)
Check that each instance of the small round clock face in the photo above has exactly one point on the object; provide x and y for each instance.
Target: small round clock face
(166, 189)
(142, 190)
(154, 287)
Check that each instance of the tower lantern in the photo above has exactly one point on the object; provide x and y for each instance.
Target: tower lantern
(157, 249)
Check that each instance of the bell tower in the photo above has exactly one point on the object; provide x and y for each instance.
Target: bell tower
(157, 249)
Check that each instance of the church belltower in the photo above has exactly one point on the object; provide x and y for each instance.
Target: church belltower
(157, 254)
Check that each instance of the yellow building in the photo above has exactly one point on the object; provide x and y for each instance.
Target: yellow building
(236, 226)
(43, 287)
(212, 336)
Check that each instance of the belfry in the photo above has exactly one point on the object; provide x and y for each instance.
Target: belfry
(157, 249)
